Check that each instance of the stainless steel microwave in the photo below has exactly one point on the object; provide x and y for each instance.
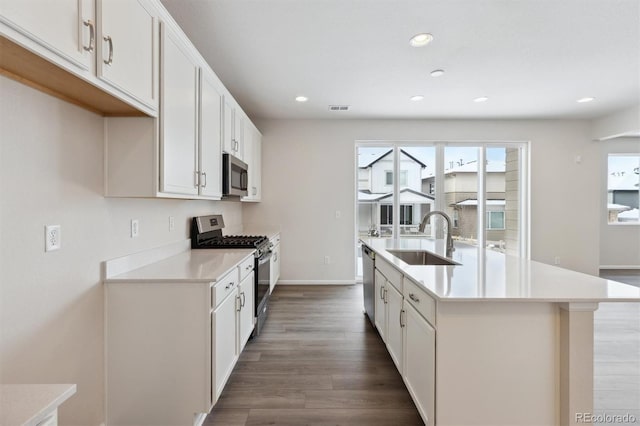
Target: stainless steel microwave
(234, 176)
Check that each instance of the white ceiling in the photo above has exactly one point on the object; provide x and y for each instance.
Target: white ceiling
(532, 58)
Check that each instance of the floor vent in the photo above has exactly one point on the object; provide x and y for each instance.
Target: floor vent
(339, 107)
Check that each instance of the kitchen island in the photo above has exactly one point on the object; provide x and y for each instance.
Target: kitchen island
(493, 340)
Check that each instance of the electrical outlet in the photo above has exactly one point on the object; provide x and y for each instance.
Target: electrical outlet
(327, 260)
(172, 223)
(52, 237)
(338, 214)
(135, 228)
(556, 260)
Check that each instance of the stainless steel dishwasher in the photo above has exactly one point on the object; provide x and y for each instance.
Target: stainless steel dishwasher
(368, 284)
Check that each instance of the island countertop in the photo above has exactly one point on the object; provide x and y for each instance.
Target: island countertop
(487, 275)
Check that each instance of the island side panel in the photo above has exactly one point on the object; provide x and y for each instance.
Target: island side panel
(497, 363)
(576, 362)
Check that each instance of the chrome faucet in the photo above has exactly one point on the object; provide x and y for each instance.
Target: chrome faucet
(446, 217)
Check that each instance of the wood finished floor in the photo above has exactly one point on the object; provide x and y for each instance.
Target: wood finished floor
(617, 352)
(318, 361)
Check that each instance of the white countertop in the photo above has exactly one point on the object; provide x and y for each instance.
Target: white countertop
(499, 277)
(30, 404)
(203, 265)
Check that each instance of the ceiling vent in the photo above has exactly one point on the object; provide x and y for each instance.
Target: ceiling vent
(339, 107)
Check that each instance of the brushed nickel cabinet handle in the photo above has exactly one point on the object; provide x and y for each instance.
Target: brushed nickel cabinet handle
(414, 298)
(204, 175)
(110, 41)
(243, 300)
(92, 35)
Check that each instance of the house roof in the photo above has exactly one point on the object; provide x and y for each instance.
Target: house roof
(629, 215)
(366, 161)
(619, 207)
(407, 195)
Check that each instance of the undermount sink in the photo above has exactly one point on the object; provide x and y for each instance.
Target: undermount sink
(421, 257)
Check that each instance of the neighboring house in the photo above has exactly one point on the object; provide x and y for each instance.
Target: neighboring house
(461, 198)
(375, 192)
(622, 195)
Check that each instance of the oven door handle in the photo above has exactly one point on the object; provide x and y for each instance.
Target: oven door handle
(266, 256)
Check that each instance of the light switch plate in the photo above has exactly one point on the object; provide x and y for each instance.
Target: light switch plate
(135, 228)
(52, 237)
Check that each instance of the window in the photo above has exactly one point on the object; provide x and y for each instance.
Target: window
(388, 177)
(495, 220)
(455, 218)
(404, 177)
(623, 188)
(386, 214)
(406, 214)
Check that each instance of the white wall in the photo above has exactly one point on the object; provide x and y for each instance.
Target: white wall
(308, 174)
(619, 244)
(625, 122)
(51, 304)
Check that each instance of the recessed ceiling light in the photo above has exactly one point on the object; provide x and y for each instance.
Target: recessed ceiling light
(437, 73)
(301, 99)
(587, 99)
(416, 98)
(420, 40)
(481, 99)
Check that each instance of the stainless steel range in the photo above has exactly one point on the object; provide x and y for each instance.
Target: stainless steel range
(206, 233)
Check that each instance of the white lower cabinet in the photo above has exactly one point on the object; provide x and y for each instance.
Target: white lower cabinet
(394, 325)
(402, 317)
(274, 266)
(246, 311)
(226, 345)
(380, 304)
(171, 347)
(420, 362)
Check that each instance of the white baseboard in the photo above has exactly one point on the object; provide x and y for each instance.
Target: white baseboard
(316, 282)
(619, 266)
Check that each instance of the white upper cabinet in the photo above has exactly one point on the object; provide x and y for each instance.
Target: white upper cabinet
(111, 44)
(178, 112)
(126, 57)
(253, 157)
(64, 27)
(210, 135)
(233, 123)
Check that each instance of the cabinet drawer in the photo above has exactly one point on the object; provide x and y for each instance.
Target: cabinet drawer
(224, 287)
(246, 267)
(420, 300)
(390, 273)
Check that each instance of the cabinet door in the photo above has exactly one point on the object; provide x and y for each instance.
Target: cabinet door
(225, 337)
(394, 327)
(238, 132)
(248, 158)
(274, 270)
(179, 107)
(56, 25)
(126, 48)
(420, 362)
(380, 308)
(257, 165)
(227, 127)
(210, 136)
(247, 311)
